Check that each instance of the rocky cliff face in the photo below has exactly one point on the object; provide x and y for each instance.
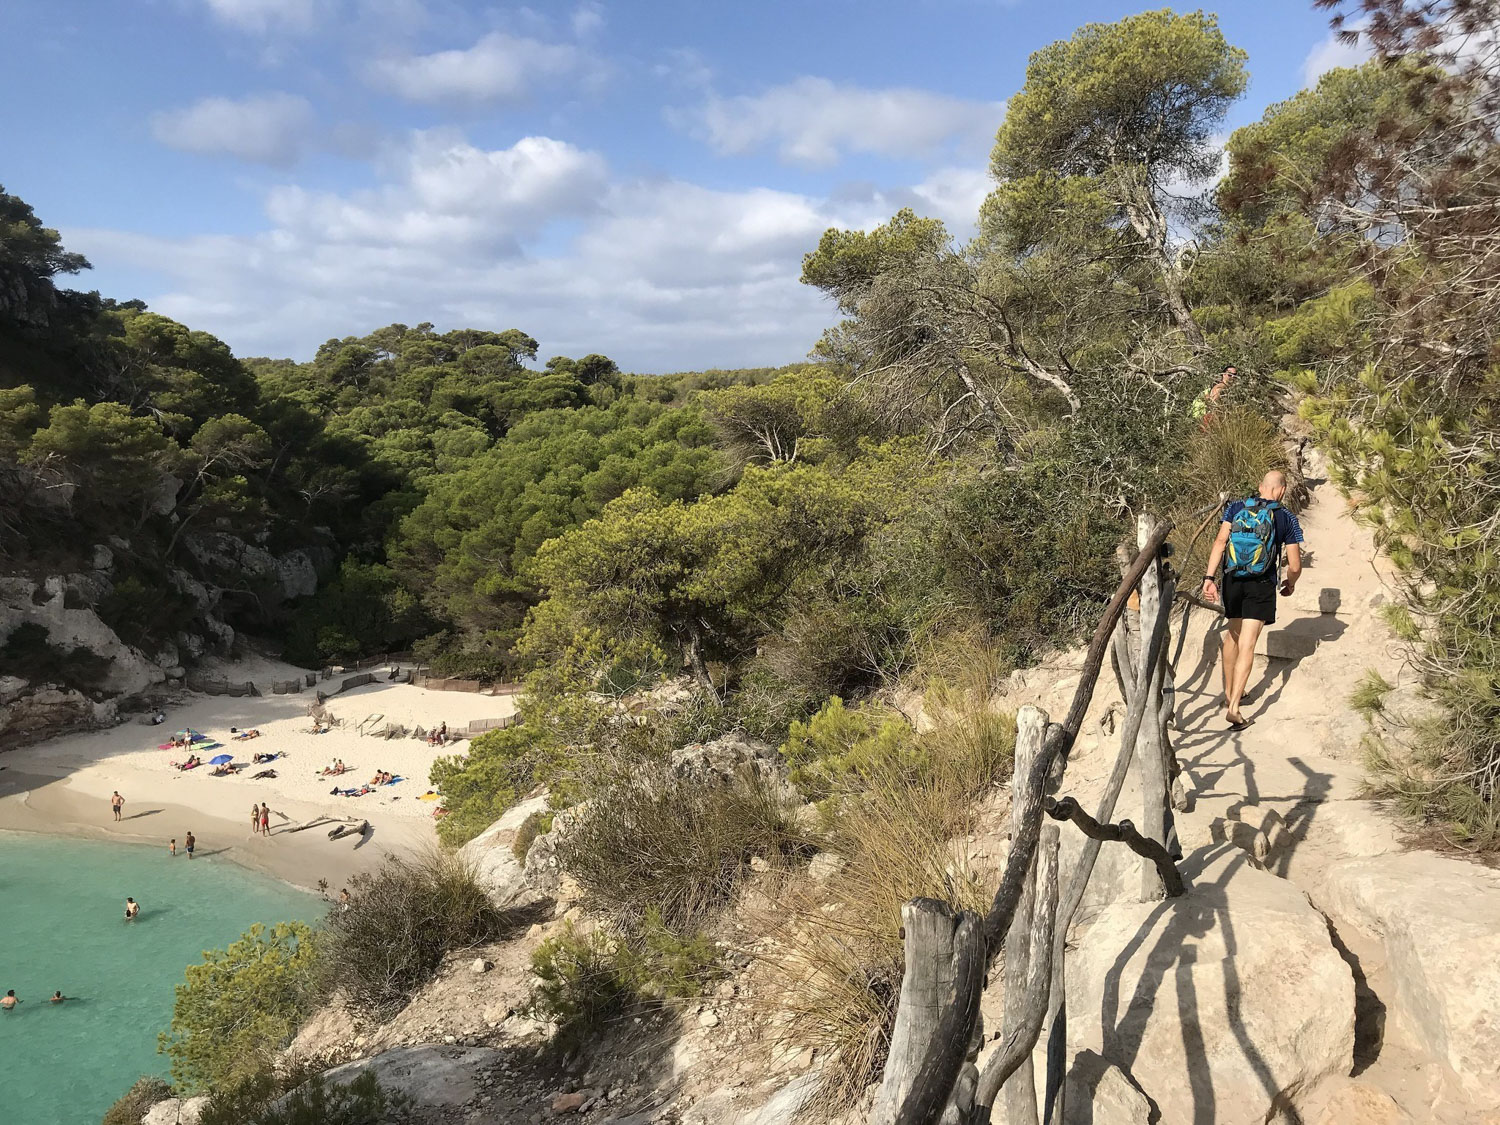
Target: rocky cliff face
(63, 668)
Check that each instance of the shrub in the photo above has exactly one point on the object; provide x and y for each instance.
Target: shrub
(133, 1104)
(401, 922)
(1368, 698)
(836, 959)
(586, 980)
(293, 1097)
(1231, 454)
(28, 653)
(537, 824)
(836, 750)
(583, 981)
(241, 1004)
(681, 846)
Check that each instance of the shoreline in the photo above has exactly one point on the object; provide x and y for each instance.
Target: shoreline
(62, 787)
(46, 806)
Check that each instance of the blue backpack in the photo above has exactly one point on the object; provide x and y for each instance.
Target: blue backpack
(1252, 540)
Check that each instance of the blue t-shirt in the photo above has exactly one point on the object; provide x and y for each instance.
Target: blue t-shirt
(1288, 530)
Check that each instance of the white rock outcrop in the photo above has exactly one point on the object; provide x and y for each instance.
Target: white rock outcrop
(24, 602)
(176, 1111)
(1437, 921)
(1223, 1005)
(500, 873)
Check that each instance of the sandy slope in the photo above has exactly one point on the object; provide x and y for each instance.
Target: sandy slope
(64, 785)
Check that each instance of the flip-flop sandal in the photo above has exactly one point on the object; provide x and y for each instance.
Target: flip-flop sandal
(1241, 725)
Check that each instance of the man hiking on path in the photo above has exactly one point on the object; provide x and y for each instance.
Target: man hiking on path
(1249, 543)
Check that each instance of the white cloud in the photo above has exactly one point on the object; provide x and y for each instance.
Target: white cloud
(588, 19)
(1331, 54)
(815, 121)
(498, 68)
(264, 128)
(263, 15)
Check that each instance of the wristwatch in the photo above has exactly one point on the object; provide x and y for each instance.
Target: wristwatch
(1208, 578)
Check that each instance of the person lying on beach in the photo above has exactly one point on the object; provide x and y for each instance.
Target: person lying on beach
(132, 909)
(226, 769)
(263, 773)
(259, 758)
(244, 734)
(56, 998)
(193, 762)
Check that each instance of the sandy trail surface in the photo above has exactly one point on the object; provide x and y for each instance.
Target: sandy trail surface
(64, 785)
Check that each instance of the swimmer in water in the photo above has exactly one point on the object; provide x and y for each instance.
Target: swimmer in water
(132, 909)
(9, 1001)
(57, 998)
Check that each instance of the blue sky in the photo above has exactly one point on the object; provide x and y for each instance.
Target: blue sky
(639, 179)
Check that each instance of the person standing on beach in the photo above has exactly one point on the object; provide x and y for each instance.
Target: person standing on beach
(117, 803)
(190, 843)
(172, 848)
(265, 820)
(255, 819)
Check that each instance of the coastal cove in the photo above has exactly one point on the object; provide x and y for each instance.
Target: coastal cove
(62, 928)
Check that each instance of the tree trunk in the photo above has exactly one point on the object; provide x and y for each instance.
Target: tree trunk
(939, 1008)
(693, 648)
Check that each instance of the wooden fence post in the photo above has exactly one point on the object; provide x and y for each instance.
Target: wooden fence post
(1152, 759)
(1020, 1091)
(937, 1012)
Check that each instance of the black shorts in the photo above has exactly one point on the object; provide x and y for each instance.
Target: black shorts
(1251, 599)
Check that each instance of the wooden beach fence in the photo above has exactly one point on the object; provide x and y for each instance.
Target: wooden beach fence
(931, 1071)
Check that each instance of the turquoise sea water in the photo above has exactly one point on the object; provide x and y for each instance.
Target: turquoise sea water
(62, 906)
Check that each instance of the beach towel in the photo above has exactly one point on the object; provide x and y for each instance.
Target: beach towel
(393, 780)
(428, 796)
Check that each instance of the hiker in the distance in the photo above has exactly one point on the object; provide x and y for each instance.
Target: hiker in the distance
(1208, 401)
(1250, 541)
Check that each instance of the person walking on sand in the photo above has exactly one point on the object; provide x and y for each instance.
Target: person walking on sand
(1250, 540)
(117, 803)
(190, 843)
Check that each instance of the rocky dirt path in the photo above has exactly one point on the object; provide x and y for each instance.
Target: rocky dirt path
(1419, 931)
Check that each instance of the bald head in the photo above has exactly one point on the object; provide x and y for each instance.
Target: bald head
(1273, 485)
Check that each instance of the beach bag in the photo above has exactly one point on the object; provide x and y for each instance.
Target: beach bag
(1252, 540)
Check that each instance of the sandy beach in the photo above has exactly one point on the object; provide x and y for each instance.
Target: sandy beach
(63, 786)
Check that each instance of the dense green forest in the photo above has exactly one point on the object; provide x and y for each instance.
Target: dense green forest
(959, 459)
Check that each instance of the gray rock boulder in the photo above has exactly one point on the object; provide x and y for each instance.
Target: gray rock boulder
(32, 715)
(1223, 1005)
(431, 1076)
(499, 871)
(126, 671)
(730, 759)
(299, 577)
(1437, 921)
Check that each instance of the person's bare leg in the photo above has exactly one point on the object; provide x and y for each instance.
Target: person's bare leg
(1229, 654)
(1249, 633)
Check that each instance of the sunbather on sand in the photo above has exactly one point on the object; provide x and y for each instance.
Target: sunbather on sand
(192, 762)
(224, 770)
(258, 758)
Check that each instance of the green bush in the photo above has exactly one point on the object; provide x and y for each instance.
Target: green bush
(133, 1104)
(295, 1098)
(584, 981)
(1231, 454)
(834, 751)
(401, 922)
(537, 824)
(241, 1004)
(678, 846)
(1368, 697)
